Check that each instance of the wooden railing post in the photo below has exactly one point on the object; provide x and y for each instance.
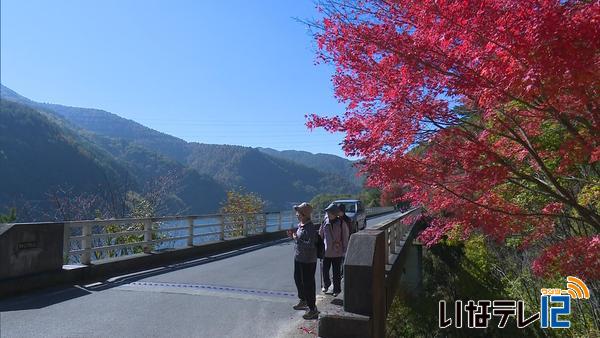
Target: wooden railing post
(264, 223)
(86, 243)
(190, 239)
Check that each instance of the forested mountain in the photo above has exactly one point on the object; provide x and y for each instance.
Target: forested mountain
(282, 180)
(38, 157)
(203, 171)
(107, 124)
(323, 162)
(191, 192)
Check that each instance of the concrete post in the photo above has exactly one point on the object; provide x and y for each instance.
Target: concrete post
(364, 278)
(244, 227)
(222, 223)
(190, 239)
(386, 239)
(280, 221)
(147, 235)
(413, 269)
(86, 243)
(394, 240)
(66, 243)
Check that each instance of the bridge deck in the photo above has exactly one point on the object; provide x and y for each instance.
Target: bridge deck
(244, 293)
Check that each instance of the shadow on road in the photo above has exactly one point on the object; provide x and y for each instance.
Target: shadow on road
(126, 279)
(42, 299)
(47, 297)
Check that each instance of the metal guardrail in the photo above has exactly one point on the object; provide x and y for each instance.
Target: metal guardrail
(397, 231)
(89, 240)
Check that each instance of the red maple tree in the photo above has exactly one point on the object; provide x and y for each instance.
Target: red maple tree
(488, 110)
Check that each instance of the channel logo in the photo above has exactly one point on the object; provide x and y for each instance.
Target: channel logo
(556, 303)
(576, 288)
(555, 306)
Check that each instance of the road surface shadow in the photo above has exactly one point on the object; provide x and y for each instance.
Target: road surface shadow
(50, 296)
(136, 276)
(41, 299)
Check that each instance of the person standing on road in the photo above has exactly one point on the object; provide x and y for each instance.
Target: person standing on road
(335, 235)
(305, 261)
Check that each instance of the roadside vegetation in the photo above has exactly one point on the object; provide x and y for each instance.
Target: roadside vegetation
(10, 217)
(478, 269)
(243, 212)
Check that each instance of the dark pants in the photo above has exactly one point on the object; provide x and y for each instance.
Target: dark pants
(336, 262)
(304, 276)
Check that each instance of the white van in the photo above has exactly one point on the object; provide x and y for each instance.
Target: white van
(356, 212)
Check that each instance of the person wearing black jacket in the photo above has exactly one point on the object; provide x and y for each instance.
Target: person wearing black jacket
(305, 261)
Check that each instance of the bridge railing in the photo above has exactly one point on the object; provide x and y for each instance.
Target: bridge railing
(380, 262)
(89, 240)
(396, 232)
(378, 210)
(318, 216)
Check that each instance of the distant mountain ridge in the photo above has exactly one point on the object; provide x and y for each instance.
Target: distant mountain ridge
(190, 192)
(108, 124)
(146, 154)
(327, 163)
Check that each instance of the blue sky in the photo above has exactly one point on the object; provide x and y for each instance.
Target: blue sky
(225, 72)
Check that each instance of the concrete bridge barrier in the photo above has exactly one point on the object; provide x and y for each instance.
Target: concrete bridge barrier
(380, 263)
(36, 255)
(30, 248)
(59, 274)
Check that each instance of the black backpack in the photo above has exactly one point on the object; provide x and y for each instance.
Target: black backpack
(320, 247)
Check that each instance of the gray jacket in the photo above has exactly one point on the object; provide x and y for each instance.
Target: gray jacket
(306, 243)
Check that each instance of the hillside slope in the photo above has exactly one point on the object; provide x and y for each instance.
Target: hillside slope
(38, 157)
(147, 152)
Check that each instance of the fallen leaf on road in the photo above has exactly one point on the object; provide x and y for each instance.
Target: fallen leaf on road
(306, 330)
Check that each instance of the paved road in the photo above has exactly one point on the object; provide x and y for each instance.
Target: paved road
(244, 293)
